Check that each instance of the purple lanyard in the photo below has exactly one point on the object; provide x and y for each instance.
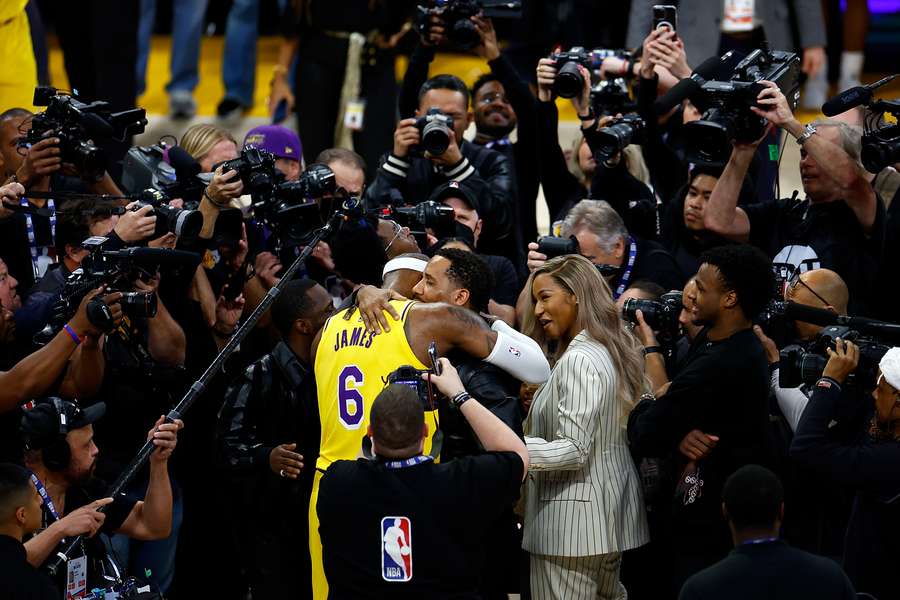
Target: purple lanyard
(626, 276)
(409, 462)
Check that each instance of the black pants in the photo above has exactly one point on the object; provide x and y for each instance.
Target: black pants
(320, 77)
(99, 43)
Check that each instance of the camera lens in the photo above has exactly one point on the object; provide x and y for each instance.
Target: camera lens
(88, 159)
(139, 304)
(613, 139)
(708, 141)
(463, 35)
(811, 367)
(435, 137)
(553, 246)
(569, 81)
(881, 151)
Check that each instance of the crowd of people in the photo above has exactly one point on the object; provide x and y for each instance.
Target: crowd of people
(689, 389)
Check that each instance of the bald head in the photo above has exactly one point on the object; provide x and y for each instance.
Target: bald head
(829, 286)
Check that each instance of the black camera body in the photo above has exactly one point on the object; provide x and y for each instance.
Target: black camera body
(184, 223)
(435, 131)
(798, 365)
(726, 105)
(569, 82)
(456, 15)
(424, 215)
(612, 97)
(612, 139)
(881, 147)
(661, 315)
(78, 125)
(552, 246)
(255, 168)
(412, 377)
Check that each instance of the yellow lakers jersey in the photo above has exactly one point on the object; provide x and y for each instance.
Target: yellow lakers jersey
(352, 366)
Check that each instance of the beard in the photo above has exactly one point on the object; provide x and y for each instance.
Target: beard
(495, 131)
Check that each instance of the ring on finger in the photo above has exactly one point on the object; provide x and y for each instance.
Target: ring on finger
(281, 473)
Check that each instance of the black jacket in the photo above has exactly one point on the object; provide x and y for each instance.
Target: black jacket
(486, 174)
(272, 403)
(871, 546)
(771, 570)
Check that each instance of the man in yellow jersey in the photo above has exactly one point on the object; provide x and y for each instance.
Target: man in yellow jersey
(352, 365)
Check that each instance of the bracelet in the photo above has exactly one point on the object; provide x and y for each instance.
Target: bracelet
(652, 350)
(215, 203)
(75, 337)
(461, 398)
(590, 116)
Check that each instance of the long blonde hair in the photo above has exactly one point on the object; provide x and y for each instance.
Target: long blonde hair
(199, 139)
(598, 315)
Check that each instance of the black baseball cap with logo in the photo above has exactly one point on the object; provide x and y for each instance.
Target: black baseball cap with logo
(50, 418)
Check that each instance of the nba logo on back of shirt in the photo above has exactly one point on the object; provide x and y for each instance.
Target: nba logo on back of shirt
(396, 549)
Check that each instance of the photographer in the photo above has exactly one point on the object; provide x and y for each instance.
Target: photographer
(501, 103)
(726, 361)
(868, 464)
(267, 432)
(840, 224)
(603, 239)
(61, 453)
(211, 145)
(393, 493)
(407, 178)
(604, 178)
(283, 143)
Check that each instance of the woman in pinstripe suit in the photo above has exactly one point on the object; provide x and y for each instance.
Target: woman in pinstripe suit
(583, 504)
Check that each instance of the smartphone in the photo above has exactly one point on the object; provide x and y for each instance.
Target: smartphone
(280, 112)
(665, 15)
(433, 355)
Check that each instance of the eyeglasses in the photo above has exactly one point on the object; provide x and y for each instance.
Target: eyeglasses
(796, 280)
(493, 97)
(398, 229)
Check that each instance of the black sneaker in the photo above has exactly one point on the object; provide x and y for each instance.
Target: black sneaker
(230, 109)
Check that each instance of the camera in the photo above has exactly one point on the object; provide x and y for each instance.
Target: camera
(569, 81)
(881, 147)
(78, 126)
(726, 105)
(661, 315)
(612, 139)
(552, 246)
(412, 377)
(456, 15)
(166, 168)
(435, 129)
(797, 365)
(612, 97)
(184, 223)
(255, 168)
(425, 215)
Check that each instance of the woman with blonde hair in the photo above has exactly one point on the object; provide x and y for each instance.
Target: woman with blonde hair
(583, 504)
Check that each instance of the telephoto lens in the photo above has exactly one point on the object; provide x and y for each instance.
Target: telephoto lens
(569, 81)
(615, 137)
(139, 304)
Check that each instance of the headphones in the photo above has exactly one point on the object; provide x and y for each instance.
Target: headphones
(57, 454)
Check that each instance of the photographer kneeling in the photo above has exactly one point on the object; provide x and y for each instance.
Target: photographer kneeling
(869, 464)
(61, 454)
(430, 544)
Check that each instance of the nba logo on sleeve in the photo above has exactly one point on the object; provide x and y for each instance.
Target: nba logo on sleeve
(396, 549)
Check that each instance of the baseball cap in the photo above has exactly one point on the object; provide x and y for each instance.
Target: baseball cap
(51, 417)
(280, 141)
(453, 189)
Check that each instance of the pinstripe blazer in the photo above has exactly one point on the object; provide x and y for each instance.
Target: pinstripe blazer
(582, 495)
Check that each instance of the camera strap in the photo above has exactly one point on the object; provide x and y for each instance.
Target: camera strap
(629, 266)
(32, 240)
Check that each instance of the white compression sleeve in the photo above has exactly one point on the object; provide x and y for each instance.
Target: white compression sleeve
(518, 355)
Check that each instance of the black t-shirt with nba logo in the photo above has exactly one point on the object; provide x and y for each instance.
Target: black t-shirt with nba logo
(412, 532)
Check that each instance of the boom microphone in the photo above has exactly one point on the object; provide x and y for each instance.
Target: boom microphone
(826, 318)
(856, 96)
(710, 68)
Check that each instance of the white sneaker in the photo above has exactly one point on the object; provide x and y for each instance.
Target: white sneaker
(182, 105)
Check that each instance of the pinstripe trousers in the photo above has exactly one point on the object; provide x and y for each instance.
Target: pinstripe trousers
(577, 577)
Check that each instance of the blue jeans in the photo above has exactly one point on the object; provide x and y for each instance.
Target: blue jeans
(239, 59)
(158, 556)
(187, 27)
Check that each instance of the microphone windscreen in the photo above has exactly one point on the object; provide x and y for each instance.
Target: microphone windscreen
(846, 100)
(182, 162)
(682, 90)
(810, 314)
(165, 257)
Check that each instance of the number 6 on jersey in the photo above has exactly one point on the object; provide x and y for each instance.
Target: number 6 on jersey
(350, 401)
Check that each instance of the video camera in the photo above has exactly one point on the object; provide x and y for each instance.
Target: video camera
(456, 15)
(435, 131)
(425, 215)
(881, 146)
(612, 139)
(552, 246)
(164, 167)
(289, 208)
(797, 365)
(726, 105)
(78, 126)
(117, 270)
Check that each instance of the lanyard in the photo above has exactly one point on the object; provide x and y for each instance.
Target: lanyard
(409, 462)
(501, 142)
(32, 240)
(759, 541)
(48, 502)
(623, 282)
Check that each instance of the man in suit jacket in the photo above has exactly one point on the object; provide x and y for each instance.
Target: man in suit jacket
(761, 565)
(699, 19)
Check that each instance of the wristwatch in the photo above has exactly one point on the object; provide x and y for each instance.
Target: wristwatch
(808, 132)
(458, 400)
